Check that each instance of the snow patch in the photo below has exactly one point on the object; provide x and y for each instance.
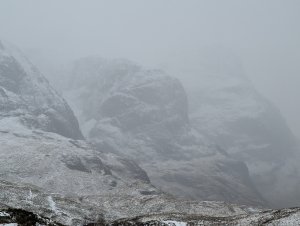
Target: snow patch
(4, 214)
(11, 224)
(52, 204)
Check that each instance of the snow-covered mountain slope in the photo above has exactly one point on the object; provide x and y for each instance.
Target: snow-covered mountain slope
(125, 109)
(49, 179)
(71, 168)
(226, 109)
(27, 97)
(65, 180)
(70, 183)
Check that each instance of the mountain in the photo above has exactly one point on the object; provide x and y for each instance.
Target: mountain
(51, 177)
(131, 111)
(226, 109)
(39, 142)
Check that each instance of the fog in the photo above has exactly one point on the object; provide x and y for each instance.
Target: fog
(148, 107)
(263, 34)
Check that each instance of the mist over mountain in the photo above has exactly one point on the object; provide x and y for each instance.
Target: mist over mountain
(213, 144)
(144, 114)
(223, 113)
(149, 113)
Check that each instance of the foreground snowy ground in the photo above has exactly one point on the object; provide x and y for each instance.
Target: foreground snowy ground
(285, 217)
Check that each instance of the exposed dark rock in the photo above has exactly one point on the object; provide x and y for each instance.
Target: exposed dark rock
(24, 218)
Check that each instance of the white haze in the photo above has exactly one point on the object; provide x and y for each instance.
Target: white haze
(263, 34)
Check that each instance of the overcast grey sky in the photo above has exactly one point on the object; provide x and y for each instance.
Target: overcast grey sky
(265, 34)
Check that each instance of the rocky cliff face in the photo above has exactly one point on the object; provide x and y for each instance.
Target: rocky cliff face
(27, 97)
(134, 99)
(125, 109)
